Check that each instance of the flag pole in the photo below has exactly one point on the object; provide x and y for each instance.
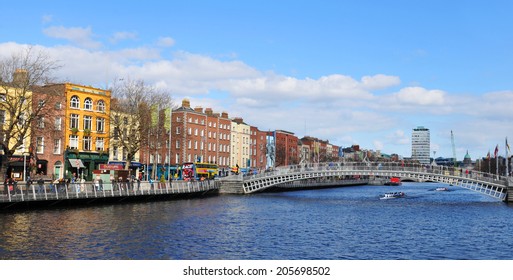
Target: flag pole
(489, 162)
(497, 161)
(506, 150)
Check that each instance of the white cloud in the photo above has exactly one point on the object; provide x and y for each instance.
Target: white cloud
(378, 145)
(398, 137)
(379, 81)
(165, 42)
(121, 36)
(420, 96)
(79, 36)
(337, 107)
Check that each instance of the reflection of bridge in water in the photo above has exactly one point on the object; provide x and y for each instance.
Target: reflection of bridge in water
(485, 183)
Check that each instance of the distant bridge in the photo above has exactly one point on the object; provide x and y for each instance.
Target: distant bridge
(485, 183)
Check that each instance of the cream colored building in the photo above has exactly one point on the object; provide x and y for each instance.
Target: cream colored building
(240, 143)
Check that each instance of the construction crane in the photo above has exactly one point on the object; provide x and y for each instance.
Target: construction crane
(455, 162)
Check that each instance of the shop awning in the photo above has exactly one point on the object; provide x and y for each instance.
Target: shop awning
(76, 163)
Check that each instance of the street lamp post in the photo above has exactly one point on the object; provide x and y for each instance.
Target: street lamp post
(24, 167)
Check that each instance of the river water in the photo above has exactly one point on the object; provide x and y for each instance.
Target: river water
(343, 223)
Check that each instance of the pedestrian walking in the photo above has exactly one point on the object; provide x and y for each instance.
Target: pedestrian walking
(40, 185)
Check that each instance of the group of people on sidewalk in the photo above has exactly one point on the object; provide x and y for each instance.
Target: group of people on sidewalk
(11, 186)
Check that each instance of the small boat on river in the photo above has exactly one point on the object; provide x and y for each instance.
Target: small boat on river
(441, 189)
(394, 181)
(392, 195)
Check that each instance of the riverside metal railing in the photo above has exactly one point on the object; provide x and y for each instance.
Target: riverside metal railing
(380, 167)
(33, 192)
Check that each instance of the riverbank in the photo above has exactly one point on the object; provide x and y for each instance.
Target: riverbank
(88, 194)
(85, 194)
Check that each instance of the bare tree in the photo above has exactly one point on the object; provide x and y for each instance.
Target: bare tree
(131, 115)
(18, 75)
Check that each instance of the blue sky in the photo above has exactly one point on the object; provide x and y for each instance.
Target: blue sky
(351, 72)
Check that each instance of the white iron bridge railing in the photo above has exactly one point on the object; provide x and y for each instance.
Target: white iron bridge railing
(486, 183)
(22, 192)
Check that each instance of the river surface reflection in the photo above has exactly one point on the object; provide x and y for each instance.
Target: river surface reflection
(337, 224)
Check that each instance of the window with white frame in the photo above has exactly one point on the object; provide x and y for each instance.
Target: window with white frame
(88, 104)
(57, 146)
(73, 142)
(177, 144)
(115, 153)
(177, 130)
(73, 121)
(58, 123)
(87, 143)
(100, 106)
(75, 102)
(99, 144)
(100, 125)
(88, 120)
(40, 145)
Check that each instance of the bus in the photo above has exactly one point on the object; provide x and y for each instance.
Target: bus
(198, 170)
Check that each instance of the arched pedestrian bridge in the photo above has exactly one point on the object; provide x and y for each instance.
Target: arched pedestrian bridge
(485, 183)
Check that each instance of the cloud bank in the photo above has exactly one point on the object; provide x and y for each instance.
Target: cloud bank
(373, 110)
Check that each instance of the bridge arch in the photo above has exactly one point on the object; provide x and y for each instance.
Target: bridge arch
(485, 183)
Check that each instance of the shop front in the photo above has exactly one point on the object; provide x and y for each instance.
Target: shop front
(83, 164)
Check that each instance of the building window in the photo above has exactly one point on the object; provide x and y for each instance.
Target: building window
(177, 130)
(196, 132)
(57, 146)
(100, 106)
(40, 145)
(73, 142)
(58, 123)
(87, 143)
(88, 122)
(190, 144)
(177, 144)
(99, 144)
(88, 104)
(73, 121)
(58, 106)
(75, 102)
(115, 153)
(41, 122)
(100, 125)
